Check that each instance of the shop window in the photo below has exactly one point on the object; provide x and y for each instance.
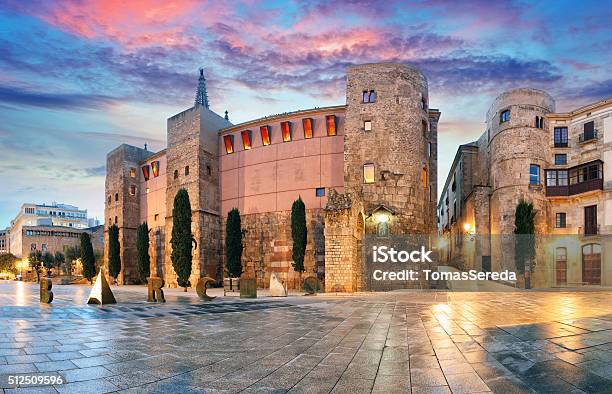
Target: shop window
(368, 173)
(247, 139)
(331, 124)
(265, 135)
(307, 125)
(286, 131)
(228, 140)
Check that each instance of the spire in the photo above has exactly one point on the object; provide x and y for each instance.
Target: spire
(201, 95)
(226, 115)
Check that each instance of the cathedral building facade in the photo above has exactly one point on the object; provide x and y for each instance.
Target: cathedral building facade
(377, 152)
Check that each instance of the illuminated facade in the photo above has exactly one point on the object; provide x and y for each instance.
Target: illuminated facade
(560, 162)
(381, 146)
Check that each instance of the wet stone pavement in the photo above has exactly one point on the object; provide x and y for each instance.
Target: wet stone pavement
(401, 342)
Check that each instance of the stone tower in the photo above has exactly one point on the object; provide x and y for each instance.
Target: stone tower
(123, 205)
(392, 101)
(515, 143)
(193, 164)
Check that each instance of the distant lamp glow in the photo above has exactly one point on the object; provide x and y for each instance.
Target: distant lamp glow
(382, 217)
(467, 227)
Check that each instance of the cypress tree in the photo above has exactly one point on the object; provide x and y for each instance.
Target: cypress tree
(142, 248)
(114, 252)
(87, 257)
(182, 238)
(524, 230)
(233, 244)
(299, 233)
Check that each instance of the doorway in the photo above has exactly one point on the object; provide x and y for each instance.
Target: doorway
(591, 264)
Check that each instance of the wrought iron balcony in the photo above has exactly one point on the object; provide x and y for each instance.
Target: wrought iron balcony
(591, 229)
(588, 136)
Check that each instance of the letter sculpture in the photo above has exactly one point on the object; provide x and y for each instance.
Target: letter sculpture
(201, 288)
(154, 285)
(101, 293)
(46, 295)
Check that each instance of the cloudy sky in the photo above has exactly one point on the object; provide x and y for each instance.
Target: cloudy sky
(77, 78)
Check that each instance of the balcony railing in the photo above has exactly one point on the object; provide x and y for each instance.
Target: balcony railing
(587, 136)
(591, 229)
(577, 188)
(561, 144)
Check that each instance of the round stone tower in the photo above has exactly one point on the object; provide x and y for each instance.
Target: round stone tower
(389, 149)
(519, 150)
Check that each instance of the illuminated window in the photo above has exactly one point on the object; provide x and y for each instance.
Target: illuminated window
(147, 190)
(186, 170)
(368, 173)
(132, 173)
(331, 124)
(307, 124)
(320, 192)
(247, 139)
(229, 143)
(132, 190)
(504, 116)
(424, 177)
(286, 131)
(367, 125)
(265, 135)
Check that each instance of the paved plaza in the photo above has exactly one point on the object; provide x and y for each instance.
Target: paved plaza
(419, 342)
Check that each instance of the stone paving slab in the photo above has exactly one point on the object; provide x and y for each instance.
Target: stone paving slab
(400, 342)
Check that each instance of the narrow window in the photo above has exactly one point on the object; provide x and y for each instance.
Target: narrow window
(156, 217)
(286, 131)
(247, 137)
(429, 149)
(366, 96)
(186, 170)
(560, 135)
(175, 174)
(320, 192)
(147, 190)
(109, 199)
(115, 219)
(534, 174)
(504, 116)
(372, 96)
(228, 140)
(331, 124)
(539, 123)
(132, 173)
(116, 196)
(424, 103)
(307, 125)
(265, 135)
(560, 159)
(589, 131)
(367, 125)
(560, 220)
(132, 190)
(368, 173)
(208, 170)
(424, 177)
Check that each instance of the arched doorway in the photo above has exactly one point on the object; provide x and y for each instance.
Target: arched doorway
(591, 264)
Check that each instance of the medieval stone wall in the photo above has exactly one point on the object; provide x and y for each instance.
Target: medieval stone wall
(268, 246)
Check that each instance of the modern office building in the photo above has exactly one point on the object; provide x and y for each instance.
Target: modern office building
(374, 154)
(559, 162)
